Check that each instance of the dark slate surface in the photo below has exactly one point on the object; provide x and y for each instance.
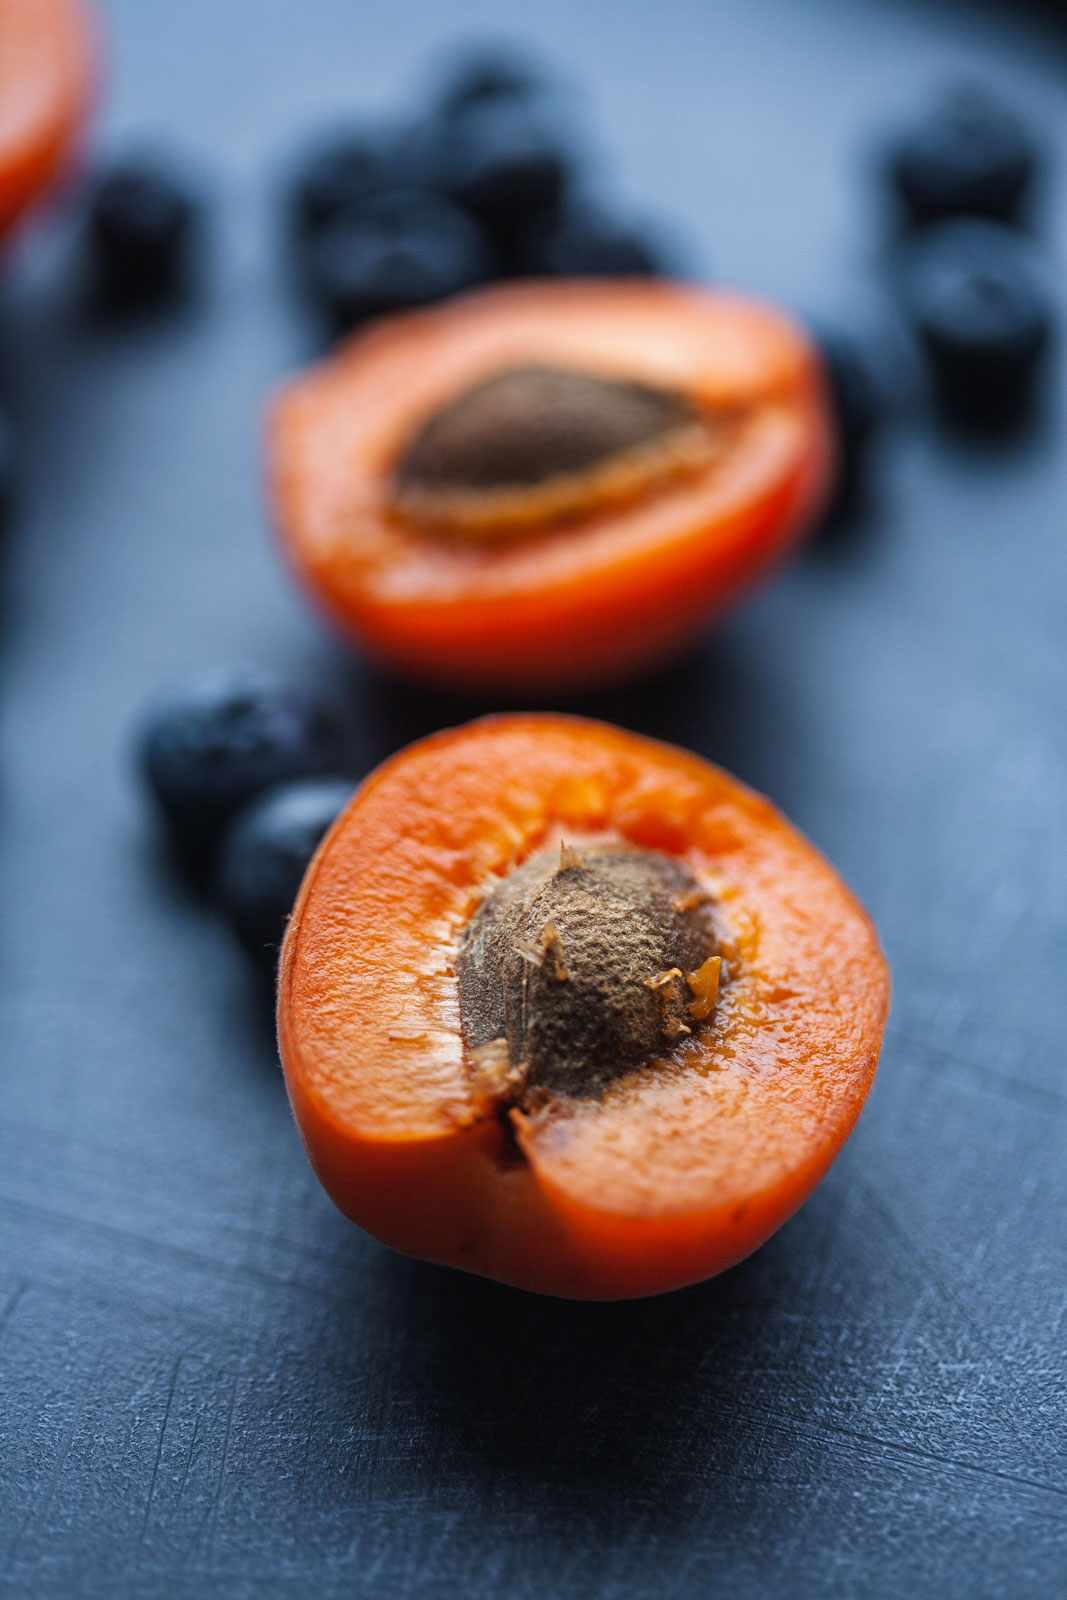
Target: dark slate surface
(212, 1384)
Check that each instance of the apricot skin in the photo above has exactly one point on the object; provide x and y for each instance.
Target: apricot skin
(671, 1175)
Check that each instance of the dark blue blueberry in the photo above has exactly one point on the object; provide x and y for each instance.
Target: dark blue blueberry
(407, 248)
(976, 296)
(216, 744)
(969, 156)
(582, 242)
(490, 74)
(141, 223)
(265, 853)
(341, 174)
(501, 159)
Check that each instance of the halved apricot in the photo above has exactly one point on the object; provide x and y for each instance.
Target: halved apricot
(573, 1009)
(549, 484)
(47, 74)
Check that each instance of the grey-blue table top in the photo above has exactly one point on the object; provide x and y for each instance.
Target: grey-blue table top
(211, 1383)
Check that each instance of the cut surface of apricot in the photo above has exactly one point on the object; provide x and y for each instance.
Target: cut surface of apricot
(47, 76)
(692, 1042)
(545, 485)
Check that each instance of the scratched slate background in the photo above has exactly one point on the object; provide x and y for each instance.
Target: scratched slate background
(210, 1383)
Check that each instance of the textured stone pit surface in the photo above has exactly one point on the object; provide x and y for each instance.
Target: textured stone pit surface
(582, 966)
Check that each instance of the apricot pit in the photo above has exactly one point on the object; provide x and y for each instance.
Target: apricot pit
(577, 968)
(532, 444)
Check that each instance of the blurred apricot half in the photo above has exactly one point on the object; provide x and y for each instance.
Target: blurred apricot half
(547, 485)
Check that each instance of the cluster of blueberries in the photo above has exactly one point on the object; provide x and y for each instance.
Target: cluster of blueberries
(249, 770)
(486, 185)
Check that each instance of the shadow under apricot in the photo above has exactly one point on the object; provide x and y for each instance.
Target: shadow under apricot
(728, 699)
(587, 1416)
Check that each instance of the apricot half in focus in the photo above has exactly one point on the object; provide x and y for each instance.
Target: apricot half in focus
(47, 75)
(546, 485)
(573, 1009)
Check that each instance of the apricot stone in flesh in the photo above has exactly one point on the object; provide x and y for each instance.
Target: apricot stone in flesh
(533, 443)
(529, 423)
(580, 963)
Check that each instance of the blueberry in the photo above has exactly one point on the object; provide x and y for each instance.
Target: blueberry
(141, 221)
(406, 248)
(855, 403)
(582, 242)
(226, 738)
(976, 296)
(969, 156)
(489, 75)
(341, 175)
(265, 853)
(501, 160)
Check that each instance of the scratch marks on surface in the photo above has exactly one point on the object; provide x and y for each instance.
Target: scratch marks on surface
(41, 1503)
(889, 1449)
(161, 1248)
(171, 1387)
(1003, 1083)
